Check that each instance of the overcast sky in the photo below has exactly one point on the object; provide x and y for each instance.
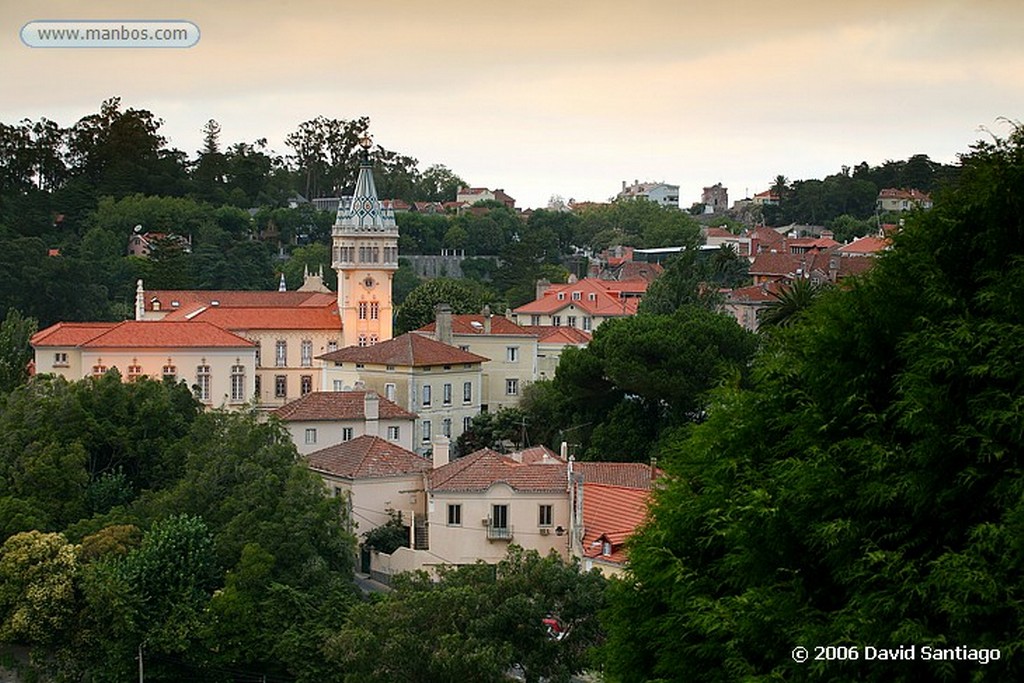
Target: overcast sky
(559, 98)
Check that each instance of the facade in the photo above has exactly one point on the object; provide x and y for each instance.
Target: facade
(365, 255)
(218, 365)
(321, 419)
(468, 196)
(581, 304)
(893, 199)
(288, 329)
(715, 198)
(375, 477)
(661, 194)
(442, 384)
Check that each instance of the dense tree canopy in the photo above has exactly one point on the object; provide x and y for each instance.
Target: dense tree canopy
(866, 490)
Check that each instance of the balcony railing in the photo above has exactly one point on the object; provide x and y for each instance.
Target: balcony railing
(499, 533)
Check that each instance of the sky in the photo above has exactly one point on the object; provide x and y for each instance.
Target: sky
(558, 98)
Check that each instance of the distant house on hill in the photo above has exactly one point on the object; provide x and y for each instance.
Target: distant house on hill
(661, 194)
(893, 199)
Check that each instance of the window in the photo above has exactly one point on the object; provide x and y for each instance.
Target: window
(338, 385)
(535, 320)
(60, 358)
(561, 296)
(281, 353)
(586, 324)
(447, 394)
(512, 354)
(592, 296)
(237, 383)
(374, 310)
(258, 354)
(467, 423)
(332, 346)
(389, 391)
(512, 387)
(311, 435)
(98, 370)
(280, 386)
(203, 382)
(170, 373)
(571, 321)
(306, 384)
(576, 296)
(257, 380)
(362, 340)
(446, 427)
(426, 395)
(394, 433)
(362, 310)
(373, 339)
(307, 353)
(556, 320)
(346, 433)
(134, 372)
(455, 515)
(467, 392)
(426, 430)
(545, 516)
(499, 516)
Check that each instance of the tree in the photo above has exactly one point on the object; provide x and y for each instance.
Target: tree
(475, 623)
(388, 537)
(900, 398)
(790, 302)
(418, 308)
(37, 592)
(15, 351)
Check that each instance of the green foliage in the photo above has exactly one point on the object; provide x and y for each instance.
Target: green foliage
(790, 304)
(418, 308)
(866, 489)
(15, 351)
(388, 537)
(475, 623)
(491, 430)
(37, 594)
(637, 223)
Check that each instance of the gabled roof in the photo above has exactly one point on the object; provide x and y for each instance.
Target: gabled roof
(338, 405)
(611, 514)
(68, 334)
(366, 457)
(409, 349)
(482, 469)
(549, 334)
(635, 475)
(139, 334)
(755, 294)
(864, 246)
(193, 299)
(607, 299)
(474, 324)
(900, 193)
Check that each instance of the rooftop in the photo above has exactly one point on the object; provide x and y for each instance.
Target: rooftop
(409, 349)
(366, 457)
(339, 405)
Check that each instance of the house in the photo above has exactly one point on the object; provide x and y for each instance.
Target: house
(288, 329)
(375, 477)
(869, 245)
(220, 366)
(610, 515)
(141, 244)
(325, 418)
(766, 198)
(582, 304)
(468, 196)
(441, 383)
(893, 199)
(661, 194)
(715, 198)
(517, 355)
(746, 303)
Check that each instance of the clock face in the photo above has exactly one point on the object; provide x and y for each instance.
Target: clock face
(369, 282)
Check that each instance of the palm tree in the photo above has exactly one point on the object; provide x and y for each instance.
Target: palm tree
(791, 302)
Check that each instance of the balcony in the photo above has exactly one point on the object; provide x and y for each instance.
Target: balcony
(499, 533)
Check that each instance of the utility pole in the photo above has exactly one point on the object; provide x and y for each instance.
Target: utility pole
(141, 675)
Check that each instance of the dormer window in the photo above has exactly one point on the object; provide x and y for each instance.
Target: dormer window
(576, 296)
(561, 296)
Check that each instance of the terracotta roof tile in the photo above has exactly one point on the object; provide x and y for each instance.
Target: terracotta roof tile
(69, 334)
(549, 334)
(635, 475)
(367, 457)
(474, 324)
(338, 405)
(195, 298)
(407, 350)
(265, 318)
(612, 514)
(480, 470)
(865, 245)
(607, 297)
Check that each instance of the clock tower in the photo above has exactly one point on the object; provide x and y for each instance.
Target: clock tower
(365, 255)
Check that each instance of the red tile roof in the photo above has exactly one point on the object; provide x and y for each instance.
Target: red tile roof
(194, 298)
(338, 405)
(865, 246)
(912, 194)
(474, 324)
(765, 292)
(549, 334)
(480, 470)
(535, 454)
(628, 474)
(367, 457)
(264, 318)
(612, 514)
(139, 334)
(408, 350)
(607, 301)
(68, 334)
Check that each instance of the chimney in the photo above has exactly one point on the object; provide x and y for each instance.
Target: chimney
(440, 449)
(371, 413)
(623, 185)
(543, 285)
(487, 318)
(140, 301)
(443, 323)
